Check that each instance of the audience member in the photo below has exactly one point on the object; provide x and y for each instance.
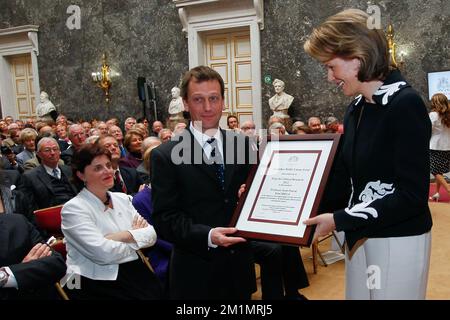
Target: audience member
(315, 125)
(48, 184)
(133, 143)
(440, 141)
(126, 179)
(102, 232)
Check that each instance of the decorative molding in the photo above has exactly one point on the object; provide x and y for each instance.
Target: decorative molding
(21, 29)
(185, 7)
(184, 20)
(34, 41)
(182, 3)
(259, 8)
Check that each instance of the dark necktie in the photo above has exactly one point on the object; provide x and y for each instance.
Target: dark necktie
(218, 161)
(120, 181)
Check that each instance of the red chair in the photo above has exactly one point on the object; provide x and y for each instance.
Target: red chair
(49, 219)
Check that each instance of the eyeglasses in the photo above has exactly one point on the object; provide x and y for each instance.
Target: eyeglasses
(48, 150)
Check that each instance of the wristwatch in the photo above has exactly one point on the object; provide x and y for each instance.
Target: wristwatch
(3, 277)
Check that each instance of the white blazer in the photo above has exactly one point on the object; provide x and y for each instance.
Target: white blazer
(86, 221)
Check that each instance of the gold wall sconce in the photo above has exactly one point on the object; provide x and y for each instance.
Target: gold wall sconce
(393, 49)
(103, 78)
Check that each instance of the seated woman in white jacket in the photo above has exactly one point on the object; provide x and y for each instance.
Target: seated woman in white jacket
(103, 231)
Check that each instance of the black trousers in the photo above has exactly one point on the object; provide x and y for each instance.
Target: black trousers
(134, 282)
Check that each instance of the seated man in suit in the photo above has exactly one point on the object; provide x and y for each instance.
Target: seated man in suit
(195, 193)
(48, 184)
(28, 267)
(126, 179)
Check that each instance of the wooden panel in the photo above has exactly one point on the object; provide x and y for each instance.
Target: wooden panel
(22, 104)
(222, 69)
(244, 116)
(21, 87)
(243, 72)
(33, 105)
(30, 86)
(244, 97)
(19, 68)
(242, 47)
(219, 49)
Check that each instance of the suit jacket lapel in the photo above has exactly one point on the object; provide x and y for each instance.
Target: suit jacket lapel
(66, 171)
(45, 178)
(4, 240)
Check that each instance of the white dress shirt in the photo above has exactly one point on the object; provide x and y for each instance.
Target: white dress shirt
(202, 139)
(86, 221)
(50, 171)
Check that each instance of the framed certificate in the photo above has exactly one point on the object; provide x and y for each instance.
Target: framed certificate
(285, 188)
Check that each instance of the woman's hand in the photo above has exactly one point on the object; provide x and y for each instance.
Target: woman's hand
(325, 224)
(138, 223)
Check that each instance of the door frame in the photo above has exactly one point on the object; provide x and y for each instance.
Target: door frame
(16, 41)
(201, 17)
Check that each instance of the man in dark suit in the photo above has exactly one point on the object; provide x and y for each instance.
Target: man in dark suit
(194, 195)
(28, 267)
(48, 184)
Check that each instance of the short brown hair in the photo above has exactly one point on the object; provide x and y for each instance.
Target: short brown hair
(83, 157)
(200, 74)
(130, 133)
(346, 35)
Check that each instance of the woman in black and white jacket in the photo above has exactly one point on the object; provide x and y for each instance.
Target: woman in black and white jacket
(383, 160)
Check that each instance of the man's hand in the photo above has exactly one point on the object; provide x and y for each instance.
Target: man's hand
(40, 250)
(325, 224)
(219, 237)
(241, 190)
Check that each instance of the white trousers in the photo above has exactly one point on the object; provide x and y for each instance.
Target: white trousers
(388, 268)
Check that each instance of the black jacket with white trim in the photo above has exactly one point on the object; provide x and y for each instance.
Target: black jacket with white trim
(385, 158)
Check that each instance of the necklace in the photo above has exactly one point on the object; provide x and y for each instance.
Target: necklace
(108, 200)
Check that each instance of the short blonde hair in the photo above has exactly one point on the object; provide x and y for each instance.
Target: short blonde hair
(28, 134)
(346, 35)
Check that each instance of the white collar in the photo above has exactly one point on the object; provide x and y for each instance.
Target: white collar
(50, 170)
(94, 199)
(203, 138)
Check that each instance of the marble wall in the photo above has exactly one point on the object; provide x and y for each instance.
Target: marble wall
(141, 38)
(144, 38)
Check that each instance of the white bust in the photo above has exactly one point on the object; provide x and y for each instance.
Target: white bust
(281, 101)
(45, 106)
(176, 106)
